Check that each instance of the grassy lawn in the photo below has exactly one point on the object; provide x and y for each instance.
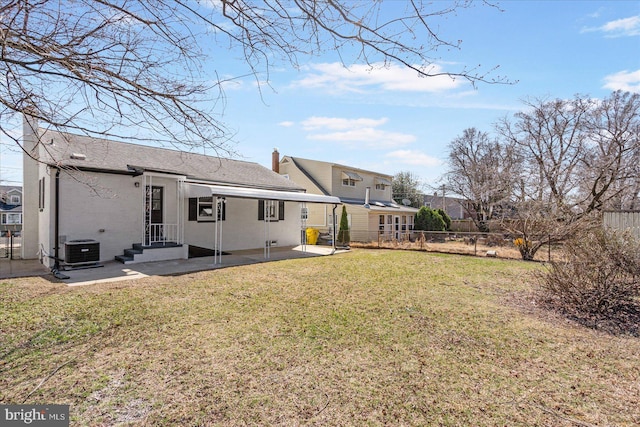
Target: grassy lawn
(366, 338)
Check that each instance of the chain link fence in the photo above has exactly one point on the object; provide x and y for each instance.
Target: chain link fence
(494, 244)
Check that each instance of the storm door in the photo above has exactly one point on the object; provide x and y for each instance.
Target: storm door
(154, 208)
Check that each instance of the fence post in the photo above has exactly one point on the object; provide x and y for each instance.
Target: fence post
(475, 245)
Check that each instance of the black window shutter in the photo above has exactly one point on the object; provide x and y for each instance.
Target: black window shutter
(222, 216)
(260, 210)
(281, 210)
(193, 208)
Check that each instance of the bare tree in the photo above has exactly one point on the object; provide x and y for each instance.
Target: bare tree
(580, 156)
(483, 172)
(610, 169)
(135, 68)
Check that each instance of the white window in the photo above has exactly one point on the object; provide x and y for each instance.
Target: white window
(11, 218)
(201, 209)
(15, 199)
(349, 178)
(382, 183)
(205, 208)
(273, 209)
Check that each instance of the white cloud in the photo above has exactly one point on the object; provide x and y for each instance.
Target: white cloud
(367, 138)
(624, 80)
(335, 77)
(286, 124)
(415, 158)
(355, 133)
(337, 123)
(618, 28)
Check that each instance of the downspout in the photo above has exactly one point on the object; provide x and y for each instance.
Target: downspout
(56, 229)
(333, 241)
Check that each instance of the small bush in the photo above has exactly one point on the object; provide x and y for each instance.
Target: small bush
(598, 284)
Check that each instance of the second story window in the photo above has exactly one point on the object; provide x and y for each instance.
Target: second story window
(349, 179)
(382, 183)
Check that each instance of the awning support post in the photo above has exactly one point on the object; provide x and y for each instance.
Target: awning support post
(303, 225)
(267, 242)
(217, 231)
(333, 220)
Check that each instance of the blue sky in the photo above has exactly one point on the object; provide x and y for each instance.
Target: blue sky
(390, 120)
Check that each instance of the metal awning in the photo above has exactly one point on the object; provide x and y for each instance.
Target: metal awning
(261, 194)
(269, 196)
(351, 175)
(383, 181)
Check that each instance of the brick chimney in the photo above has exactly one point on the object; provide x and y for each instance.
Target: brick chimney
(275, 161)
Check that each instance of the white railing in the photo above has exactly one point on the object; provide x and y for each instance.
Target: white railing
(161, 234)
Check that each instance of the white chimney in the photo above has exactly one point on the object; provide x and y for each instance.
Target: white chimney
(367, 195)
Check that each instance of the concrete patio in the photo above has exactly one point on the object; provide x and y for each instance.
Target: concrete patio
(113, 271)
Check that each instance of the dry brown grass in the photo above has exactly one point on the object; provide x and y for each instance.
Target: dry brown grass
(506, 249)
(371, 337)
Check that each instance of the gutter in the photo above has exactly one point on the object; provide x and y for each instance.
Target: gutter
(55, 270)
(335, 236)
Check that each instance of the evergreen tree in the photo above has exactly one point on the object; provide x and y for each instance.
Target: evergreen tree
(428, 219)
(446, 218)
(343, 235)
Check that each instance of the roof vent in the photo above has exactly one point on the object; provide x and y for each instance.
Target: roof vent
(78, 156)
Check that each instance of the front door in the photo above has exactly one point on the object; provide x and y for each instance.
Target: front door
(396, 227)
(154, 208)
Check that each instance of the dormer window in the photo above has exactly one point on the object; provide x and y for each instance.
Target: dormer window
(382, 183)
(349, 179)
(15, 199)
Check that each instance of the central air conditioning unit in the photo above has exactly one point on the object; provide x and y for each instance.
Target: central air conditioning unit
(84, 251)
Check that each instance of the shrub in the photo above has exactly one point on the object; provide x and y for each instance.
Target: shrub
(598, 284)
(428, 219)
(445, 218)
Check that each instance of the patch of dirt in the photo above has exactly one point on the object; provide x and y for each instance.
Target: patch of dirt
(104, 403)
(461, 247)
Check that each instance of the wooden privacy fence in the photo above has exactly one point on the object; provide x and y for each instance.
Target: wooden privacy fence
(623, 220)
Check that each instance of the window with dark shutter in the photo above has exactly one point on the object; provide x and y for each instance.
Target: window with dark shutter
(275, 212)
(201, 209)
(193, 208)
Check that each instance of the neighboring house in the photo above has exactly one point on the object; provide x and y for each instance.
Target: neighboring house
(10, 210)
(371, 210)
(455, 207)
(141, 203)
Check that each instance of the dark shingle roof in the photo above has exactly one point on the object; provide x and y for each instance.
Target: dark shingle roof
(5, 207)
(67, 150)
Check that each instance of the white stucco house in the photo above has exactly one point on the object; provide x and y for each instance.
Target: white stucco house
(367, 196)
(97, 198)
